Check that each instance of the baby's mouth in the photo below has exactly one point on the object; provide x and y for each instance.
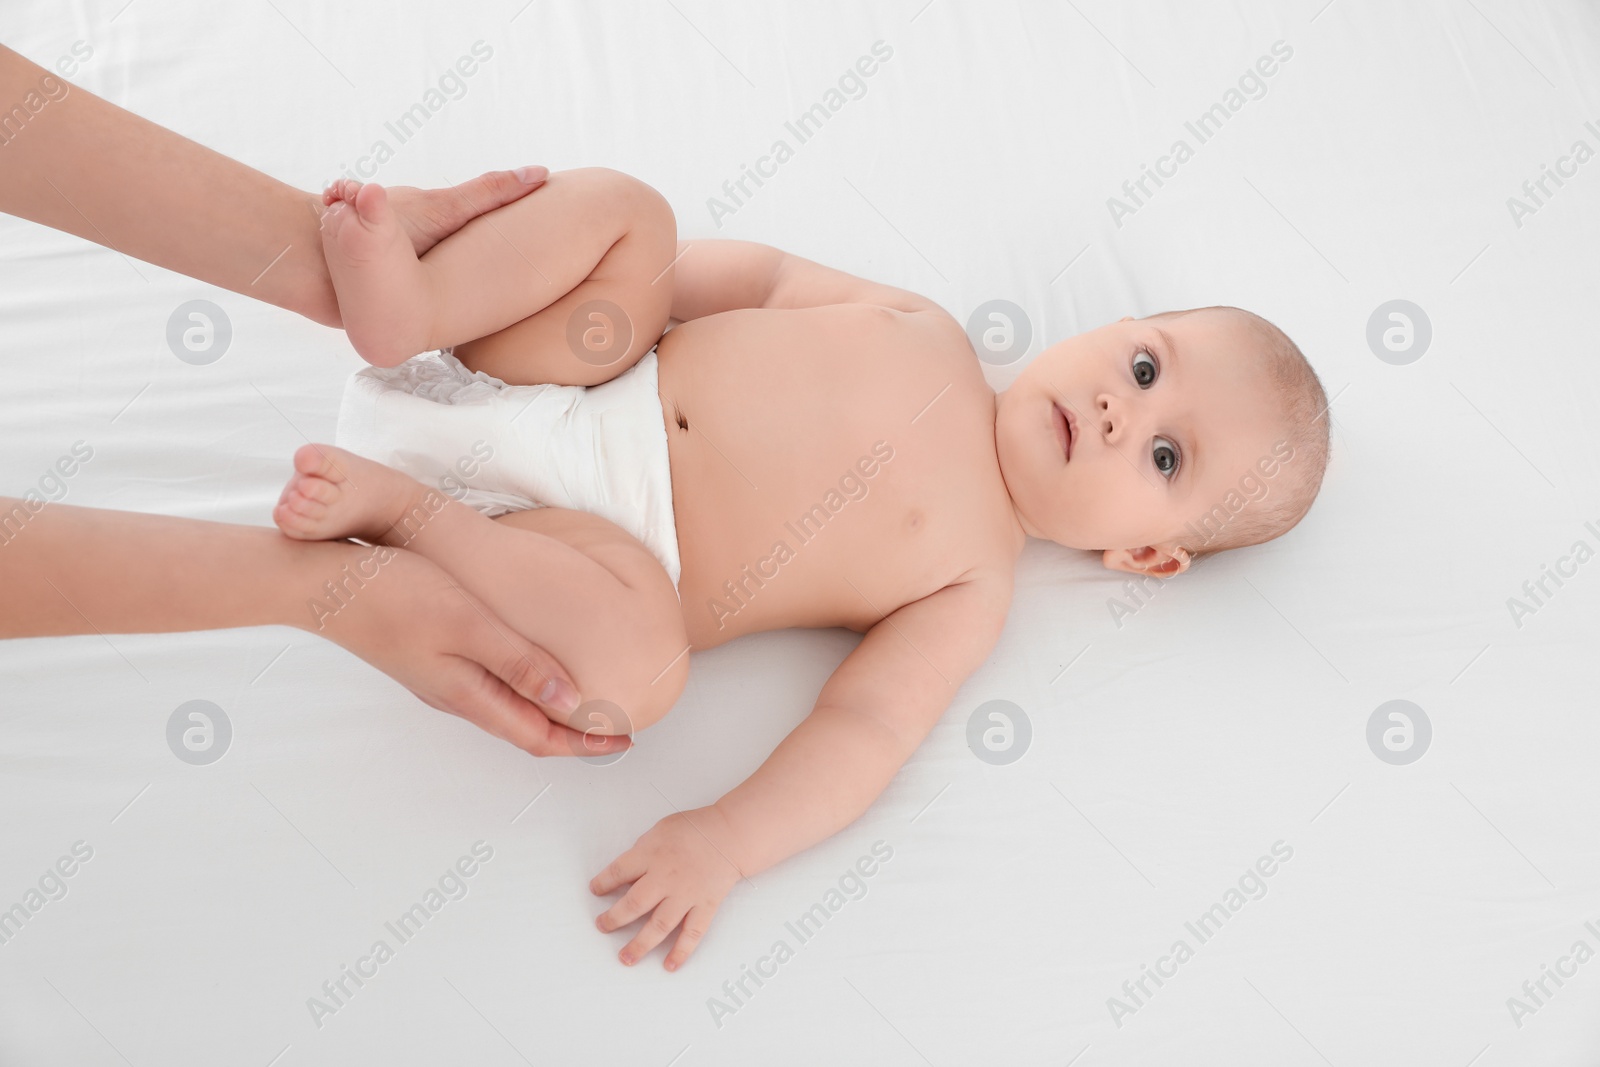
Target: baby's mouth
(1064, 429)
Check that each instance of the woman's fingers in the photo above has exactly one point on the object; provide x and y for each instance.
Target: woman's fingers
(428, 216)
(529, 676)
(420, 627)
(493, 706)
(460, 204)
(488, 703)
(529, 670)
(532, 673)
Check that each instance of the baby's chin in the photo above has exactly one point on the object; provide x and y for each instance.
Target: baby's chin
(1072, 539)
(1077, 544)
(1083, 540)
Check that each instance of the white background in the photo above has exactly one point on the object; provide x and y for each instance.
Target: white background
(1167, 753)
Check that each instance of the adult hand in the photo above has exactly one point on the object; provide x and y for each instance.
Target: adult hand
(428, 216)
(114, 178)
(417, 625)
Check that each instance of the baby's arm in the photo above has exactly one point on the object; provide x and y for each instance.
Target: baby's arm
(870, 717)
(713, 276)
(868, 720)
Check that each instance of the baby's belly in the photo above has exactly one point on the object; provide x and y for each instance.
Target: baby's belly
(820, 551)
(803, 493)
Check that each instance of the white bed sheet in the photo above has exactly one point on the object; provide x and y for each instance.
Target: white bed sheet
(1168, 754)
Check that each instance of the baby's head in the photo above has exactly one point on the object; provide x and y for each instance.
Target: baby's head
(1192, 432)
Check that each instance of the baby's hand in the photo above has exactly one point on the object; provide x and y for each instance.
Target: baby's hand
(680, 870)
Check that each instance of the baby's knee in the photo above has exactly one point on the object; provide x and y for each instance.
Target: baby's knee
(631, 704)
(638, 197)
(669, 674)
(637, 676)
(657, 669)
(613, 194)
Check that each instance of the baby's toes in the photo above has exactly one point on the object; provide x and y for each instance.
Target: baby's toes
(299, 517)
(350, 240)
(305, 504)
(340, 189)
(319, 461)
(334, 218)
(315, 490)
(372, 202)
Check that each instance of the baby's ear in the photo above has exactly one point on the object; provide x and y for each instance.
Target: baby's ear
(1147, 560)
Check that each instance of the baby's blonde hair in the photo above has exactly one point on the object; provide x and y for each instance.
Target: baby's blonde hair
(1304, 410)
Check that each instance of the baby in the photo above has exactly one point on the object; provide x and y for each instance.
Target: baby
(834, 456)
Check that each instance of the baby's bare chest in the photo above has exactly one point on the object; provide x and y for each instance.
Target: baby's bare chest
(827, 468)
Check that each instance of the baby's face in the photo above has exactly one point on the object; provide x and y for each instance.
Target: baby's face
(1166, 415)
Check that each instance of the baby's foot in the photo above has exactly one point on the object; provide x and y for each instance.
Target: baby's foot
(334, 494)
(382, 289)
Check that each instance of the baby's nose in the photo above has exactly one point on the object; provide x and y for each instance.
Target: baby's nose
(1105, 421)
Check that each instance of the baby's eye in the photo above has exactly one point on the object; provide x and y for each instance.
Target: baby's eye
(1145, 369)
(1167, 457)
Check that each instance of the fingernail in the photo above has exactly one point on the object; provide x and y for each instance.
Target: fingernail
(671, 966)
(627, 958)
(529, 175)
(559, 695)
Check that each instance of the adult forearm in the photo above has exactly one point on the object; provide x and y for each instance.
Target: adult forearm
(54, 168)
(819, 780)
(72, 570)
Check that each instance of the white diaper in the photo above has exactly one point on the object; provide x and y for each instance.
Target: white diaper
(499, 448)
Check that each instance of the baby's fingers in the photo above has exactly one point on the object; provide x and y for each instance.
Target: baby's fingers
(668, 915)
(635, 902)
(626, 868)
(695, 925)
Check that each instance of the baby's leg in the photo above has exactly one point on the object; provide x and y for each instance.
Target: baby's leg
(524, 278)
(571, 582)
